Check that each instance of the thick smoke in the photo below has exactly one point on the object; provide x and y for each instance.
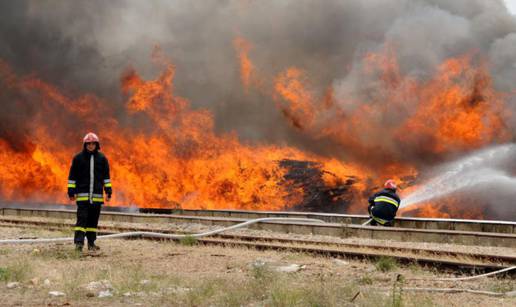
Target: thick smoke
(83, 47)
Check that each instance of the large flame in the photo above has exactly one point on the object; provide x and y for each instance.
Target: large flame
(179, 162)
(171, 155)
(454, 111)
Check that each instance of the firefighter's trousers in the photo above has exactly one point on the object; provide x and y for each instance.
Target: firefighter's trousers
(374, 219)
(87, 221)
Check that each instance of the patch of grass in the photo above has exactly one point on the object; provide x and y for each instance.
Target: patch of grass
(4, 274)
(105, 272)
(59, 252)
(202, 293)
(414, 267)
(261, 287)
(405, 299)
(396, 297)
(285, 296)
(260, 277)
(421, 300)
(397, 293)
(130, 279)
(64, 232)
(235, 296)
(261, 273)
(386, 264)
(288, 291)
(502, 286)
(372, 298)
(188, 241)
(331, 292)
(73, 279)
(295, 256)
(365, 280)
(16, 271)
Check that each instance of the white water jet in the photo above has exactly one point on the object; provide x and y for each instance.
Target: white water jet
(485, 167)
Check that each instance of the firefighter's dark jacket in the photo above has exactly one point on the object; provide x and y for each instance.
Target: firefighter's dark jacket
(82, 185)
(384, 204)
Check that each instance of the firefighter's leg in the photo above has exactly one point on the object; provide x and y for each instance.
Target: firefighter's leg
(379, 222)
(370, 209)
(93, 220)
(80, 225)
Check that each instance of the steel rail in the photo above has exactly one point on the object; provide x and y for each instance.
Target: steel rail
(400, 222)
(331, 229)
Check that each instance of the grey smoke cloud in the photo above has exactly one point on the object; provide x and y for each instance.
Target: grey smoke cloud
(85, 46)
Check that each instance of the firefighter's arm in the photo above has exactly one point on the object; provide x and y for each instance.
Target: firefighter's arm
(107, 181)
(72, 180)
(371, 199)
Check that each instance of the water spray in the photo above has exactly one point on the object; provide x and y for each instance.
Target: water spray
(484, 167)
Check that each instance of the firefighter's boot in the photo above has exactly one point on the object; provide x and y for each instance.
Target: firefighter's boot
(78, 247)
(93, 247)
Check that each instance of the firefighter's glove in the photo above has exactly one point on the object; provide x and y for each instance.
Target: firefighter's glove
(71, 193)
(109, 191)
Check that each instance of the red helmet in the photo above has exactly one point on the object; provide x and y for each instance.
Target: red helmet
(390, 184)
(91, 138)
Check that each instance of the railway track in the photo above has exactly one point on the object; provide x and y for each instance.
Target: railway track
(341, 230)
(351, 219)
(435, 257)
(400, 222)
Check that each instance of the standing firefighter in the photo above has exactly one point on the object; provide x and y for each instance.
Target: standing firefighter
(384, 205)
(88, 179)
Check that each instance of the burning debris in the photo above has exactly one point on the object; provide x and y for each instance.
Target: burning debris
(307, 177)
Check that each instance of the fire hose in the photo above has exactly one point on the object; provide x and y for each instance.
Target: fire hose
(367, 222)
(148, 234)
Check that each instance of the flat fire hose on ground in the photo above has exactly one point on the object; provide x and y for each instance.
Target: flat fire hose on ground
(367, 222)
(164, 235)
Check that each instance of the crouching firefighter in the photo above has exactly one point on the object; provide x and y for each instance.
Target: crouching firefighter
(87, 181)
(384, 205)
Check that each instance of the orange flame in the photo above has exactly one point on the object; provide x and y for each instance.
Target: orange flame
(173, 157)
(247, 68)
(178, 161)
(454, 111)
(458, 110)
(291, 86)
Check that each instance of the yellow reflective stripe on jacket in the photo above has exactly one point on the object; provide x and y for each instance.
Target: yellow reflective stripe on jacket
(91, 229)
(86, 198)
(77, 228)
(107, 183)
(387, 200)
(72, 185)
(379, 220)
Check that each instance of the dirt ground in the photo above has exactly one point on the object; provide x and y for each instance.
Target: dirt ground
(151, 273)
